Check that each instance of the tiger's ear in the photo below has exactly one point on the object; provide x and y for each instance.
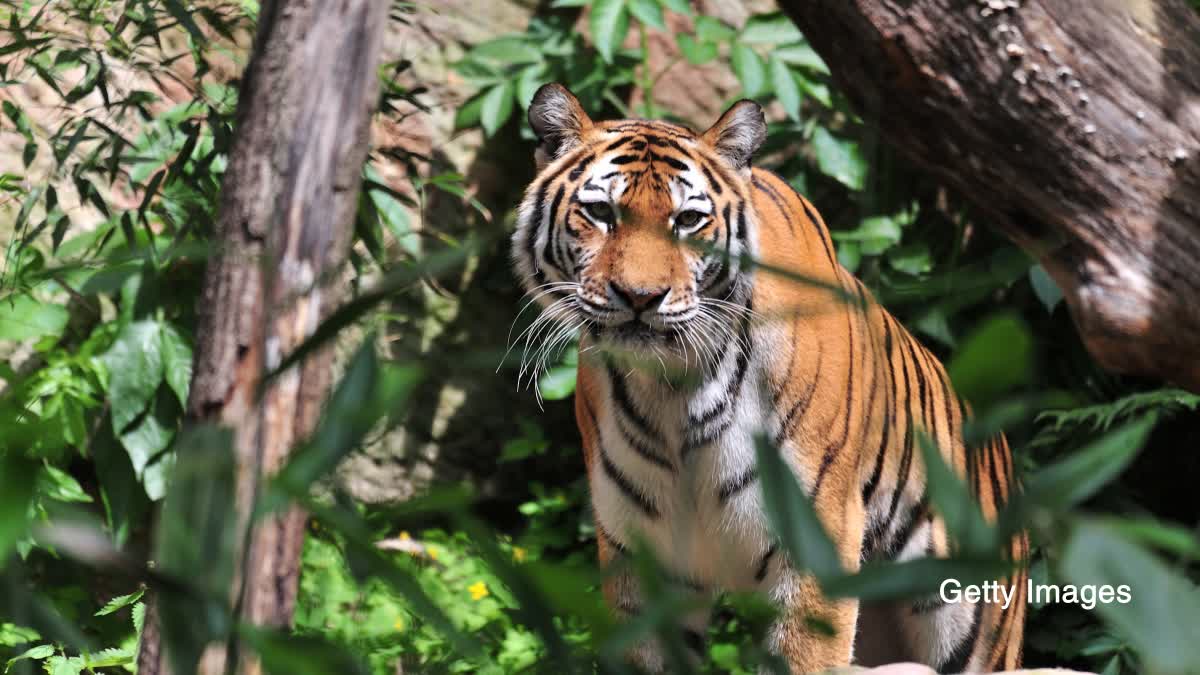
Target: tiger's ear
(739, 133)
(558, 121)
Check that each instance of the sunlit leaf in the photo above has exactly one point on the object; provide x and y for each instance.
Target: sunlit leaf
(648, 12)
(839, 158)
(750, 70)
(695, 52)
(23, 318)
(786, 88)
(774, 28)
(496, 107)
(993, 360)
(121, 602)
(609, 21)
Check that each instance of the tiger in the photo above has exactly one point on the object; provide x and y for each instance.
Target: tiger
(650, 240)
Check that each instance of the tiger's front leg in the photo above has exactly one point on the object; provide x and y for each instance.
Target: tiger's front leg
(813, 632)
(623, 595)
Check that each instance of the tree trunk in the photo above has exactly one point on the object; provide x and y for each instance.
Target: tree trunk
(288, 200)
(1073, 124)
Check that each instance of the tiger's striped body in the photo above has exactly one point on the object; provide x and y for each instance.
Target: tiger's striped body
(840, 386)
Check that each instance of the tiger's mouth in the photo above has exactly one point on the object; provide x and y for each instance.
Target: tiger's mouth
(638, 335)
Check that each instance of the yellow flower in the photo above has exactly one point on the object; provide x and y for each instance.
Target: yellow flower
(478, 590)
(404, 536)
(431, 552)
(399, 625)
(518, 554)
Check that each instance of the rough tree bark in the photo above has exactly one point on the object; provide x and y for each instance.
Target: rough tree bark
(1073, 124)
(289, 196)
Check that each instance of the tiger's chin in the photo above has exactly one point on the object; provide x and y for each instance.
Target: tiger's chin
(657, 352)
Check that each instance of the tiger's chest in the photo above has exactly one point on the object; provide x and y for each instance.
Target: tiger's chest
(678, 471)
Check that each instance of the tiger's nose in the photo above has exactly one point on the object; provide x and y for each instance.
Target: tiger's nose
(639, 299)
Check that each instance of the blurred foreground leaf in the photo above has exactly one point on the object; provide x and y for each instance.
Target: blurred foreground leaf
(1162, 618)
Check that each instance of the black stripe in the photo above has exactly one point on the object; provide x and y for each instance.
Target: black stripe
(641, 449)
(618, 143)
(905, 532)
(816, 221)
(625, 159)
(621, 396)
(553, 243)
(831, 450)
(801, 404)
(777, 199)
(761, 572)
(711, 181)
(580, 167)
(535, 220)
(889, 391)
(631, 492)
(906, 458)
(732, 487)
(670, 161)
(735, 384)
(962, 653)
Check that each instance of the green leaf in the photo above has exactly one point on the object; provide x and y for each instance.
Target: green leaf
(1163, 610)
(33, 653)
(145, 443)
(54, 483)
(1045, 288)
(792, 517)
(774, 28)
(913, 259)
(16, 490)
(12, 635)
(507, 51)
(23, 318)
(108, 658)
(994, 359)
(469, 113)
(678, 6)
(367, 393)
(1173, 539)
(786, 89)
(121, 602)
(284, 654)
(709, 29)
(839, 159)
(1073, 479)
(801, 55)
(61, 665)
(648, 12)
(557, 383)
(496, 107)
(135, 367)
(695, 52)
(750, 70)
(196, 539)
(177, 362)
(609, 21)
(883, 582)
(954, 502)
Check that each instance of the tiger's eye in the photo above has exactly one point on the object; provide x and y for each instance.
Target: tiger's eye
(600, 211)
(686, 220)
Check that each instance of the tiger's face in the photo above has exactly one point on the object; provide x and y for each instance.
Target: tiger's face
(633, 229)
